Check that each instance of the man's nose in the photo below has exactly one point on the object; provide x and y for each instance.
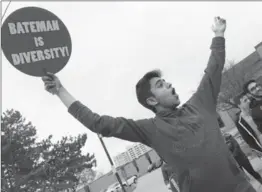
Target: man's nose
(169, 85)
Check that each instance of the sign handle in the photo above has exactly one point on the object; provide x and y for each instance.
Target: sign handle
(45, 72)
(112, 164)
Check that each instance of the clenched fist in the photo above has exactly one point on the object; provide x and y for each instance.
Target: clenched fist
(219, 26)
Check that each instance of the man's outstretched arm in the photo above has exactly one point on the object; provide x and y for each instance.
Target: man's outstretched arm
(209, 88)
(107, 126)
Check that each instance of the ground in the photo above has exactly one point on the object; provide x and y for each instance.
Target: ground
(153, 181)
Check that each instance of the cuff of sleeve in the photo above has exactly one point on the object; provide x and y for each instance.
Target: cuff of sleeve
(218, 42)
(74, 107)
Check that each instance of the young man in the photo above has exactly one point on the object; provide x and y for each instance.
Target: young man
(254, 90)
(187, 138)
(246, 126)
(240, 157)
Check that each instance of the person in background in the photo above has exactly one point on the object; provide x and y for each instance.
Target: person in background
(169, 178)
(254, 91)
(240, 156)
(245, 124)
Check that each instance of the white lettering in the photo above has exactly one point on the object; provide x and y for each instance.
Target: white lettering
(66, 48)
(55, 25)
(19, 27)
(49, 26)
(16, 60)
(26, 24)
(26, 56)
(39, 55)
(62, 50)
(56, 52)
(39, 41)
(47, 54)
(33, 26)
(33, 56)
(40, 25)
(12, 29)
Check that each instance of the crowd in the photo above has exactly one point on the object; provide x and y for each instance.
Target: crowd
(249, 121)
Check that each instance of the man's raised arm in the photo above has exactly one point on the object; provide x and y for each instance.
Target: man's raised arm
(107, 126)
(209, 88)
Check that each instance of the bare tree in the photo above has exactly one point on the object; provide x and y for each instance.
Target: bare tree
(233, 79)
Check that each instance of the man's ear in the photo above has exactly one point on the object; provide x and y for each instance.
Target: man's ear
(151, 101)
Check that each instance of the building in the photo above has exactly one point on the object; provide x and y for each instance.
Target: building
(124, 171)
(133, 152)
(144, 148)
(122, 159)
(137, 150)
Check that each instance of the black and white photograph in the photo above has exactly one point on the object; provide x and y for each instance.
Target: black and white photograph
(131, 96)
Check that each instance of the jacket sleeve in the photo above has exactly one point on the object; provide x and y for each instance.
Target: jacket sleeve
(209, 88)
(108, 126)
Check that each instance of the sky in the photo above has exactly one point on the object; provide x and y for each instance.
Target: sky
(113, 45)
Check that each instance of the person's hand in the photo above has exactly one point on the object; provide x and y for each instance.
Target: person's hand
(52, 83)
(168, 186)
(219, 26)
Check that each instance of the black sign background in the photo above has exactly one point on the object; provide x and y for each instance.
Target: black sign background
(17, 43)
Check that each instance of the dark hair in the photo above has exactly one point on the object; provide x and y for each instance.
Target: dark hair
(238, 98)
(143, 88)
(245, 86)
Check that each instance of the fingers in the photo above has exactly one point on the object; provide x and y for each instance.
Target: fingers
(219, 20)
(50, 88)
(49, 77)
(223, 21)
(50, 83)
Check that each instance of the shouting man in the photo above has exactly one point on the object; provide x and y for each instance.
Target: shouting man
(187, 138)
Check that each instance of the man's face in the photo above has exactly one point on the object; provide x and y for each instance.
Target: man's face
(255, 89)
(164, 94)
(244, 102)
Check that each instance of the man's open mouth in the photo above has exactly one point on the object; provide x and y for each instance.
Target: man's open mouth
(173, 91)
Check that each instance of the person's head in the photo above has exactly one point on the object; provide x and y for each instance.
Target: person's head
(155, 93)
(242, 101)
(253, 89)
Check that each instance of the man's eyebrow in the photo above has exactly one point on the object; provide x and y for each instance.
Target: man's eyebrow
(158, 81)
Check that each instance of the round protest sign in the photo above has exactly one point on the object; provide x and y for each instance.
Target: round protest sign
(35, 41)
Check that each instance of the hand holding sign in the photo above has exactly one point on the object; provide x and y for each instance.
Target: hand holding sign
(52, 83)
(35, 40)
